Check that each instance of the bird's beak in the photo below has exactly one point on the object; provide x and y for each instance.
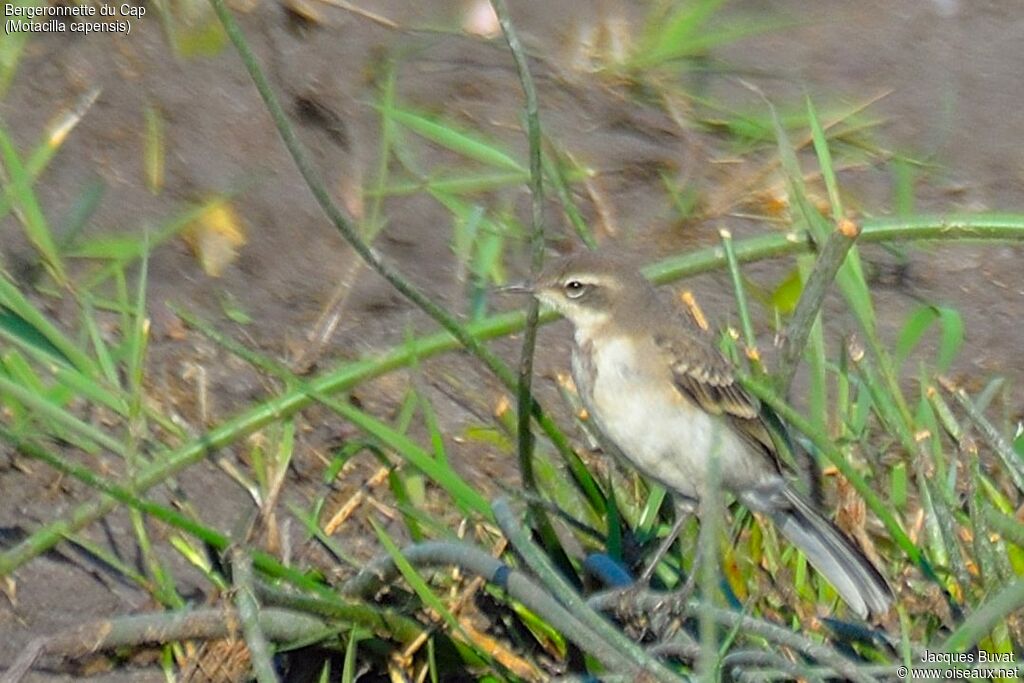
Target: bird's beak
(516, 288)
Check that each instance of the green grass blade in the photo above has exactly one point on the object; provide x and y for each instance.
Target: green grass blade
(42, 407)
(465, 495)
(19, 190)
(951, 340)
(835, 457)
(124, 251)
(103, 352)
(449, 182)
(419, 585)
(555, 172)
(374, 222)
(669, 37)
(749, 338)
(461, 142)
(18, 331)
(825, 161)
(17, 304)
(11, 48)
(82, 212)
(51, 141)
(850, 278)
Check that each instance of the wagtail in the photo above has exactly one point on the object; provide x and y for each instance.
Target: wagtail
(664, 398)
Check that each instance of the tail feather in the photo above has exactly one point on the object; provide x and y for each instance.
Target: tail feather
(831, 552)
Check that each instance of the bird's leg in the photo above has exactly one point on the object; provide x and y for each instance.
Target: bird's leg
(682, 516)
(681, 595)
(627, 594)
(665, 619)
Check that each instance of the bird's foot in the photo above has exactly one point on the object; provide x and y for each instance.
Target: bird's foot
(680, 598)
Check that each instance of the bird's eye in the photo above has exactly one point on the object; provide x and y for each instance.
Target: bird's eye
(574, 289)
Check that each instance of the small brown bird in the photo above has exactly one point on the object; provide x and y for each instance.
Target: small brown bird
(666, 400)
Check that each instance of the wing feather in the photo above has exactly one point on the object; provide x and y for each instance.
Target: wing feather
(704, 375)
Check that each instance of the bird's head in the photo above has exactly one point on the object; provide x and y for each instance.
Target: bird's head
(590, 288)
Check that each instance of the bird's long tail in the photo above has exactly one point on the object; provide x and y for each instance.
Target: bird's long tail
(831, 552)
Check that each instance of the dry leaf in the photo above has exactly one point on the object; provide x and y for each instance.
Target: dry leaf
(215, 236)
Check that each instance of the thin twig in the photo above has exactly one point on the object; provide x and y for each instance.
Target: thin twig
(992, 436)
(737, 664)
(162, 627)
(681, 646)
(330, 317)
(794, 338)
(523, 395)
(707, 572)
(249, 615)
(885, 672)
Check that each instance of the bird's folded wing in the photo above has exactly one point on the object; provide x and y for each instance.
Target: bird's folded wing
(704, 375)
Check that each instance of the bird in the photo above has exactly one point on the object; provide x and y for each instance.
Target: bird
(665, 399)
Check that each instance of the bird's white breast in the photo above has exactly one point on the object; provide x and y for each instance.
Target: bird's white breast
(635, 404)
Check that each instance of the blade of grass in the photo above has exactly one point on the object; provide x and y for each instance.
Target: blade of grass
(828, 173)
(40, 406)
(749, 338)
(10, 54)
(19, 305)
(153, 151)
(450, 183)
(52, 139)
(465, 496)
(683, 32)
(459, 141)
(951, 329)
(104, 356)
(984, 618)
(122, 252)
(137, 343)
(81, 213)
(92, 388)
(418, 583)
(19, 188)
(556, 174)
(19, 332)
